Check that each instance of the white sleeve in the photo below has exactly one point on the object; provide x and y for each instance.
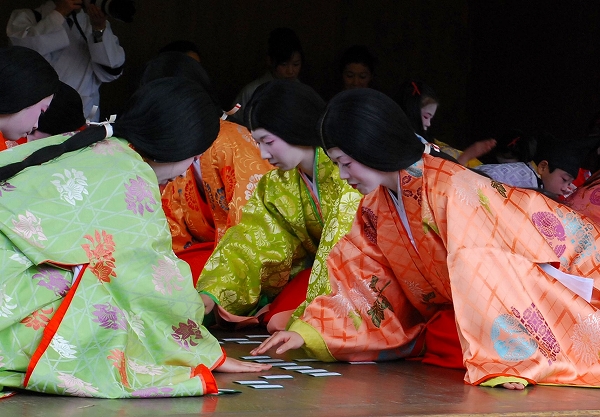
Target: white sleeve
(46, 36)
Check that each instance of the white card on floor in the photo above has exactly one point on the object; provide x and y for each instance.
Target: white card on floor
(255, 357)
(257, 336)
(307, 360)
(266, 386)
(233, 339)
(325, 374)
(282, 364)
(282, 376)
(310, 371)
(250, 382)
(296, 367)
(248, 342)
(270, 360)
(362, 363)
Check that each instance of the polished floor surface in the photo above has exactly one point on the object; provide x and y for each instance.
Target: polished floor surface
(402, 388)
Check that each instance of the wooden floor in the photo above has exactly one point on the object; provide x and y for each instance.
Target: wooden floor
(402, 388)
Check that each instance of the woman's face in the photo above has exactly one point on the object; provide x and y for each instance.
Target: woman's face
(277, 151)
(359, 176)
(290, 69)
(166, 171)
(21, 124)
(427, 113)
(356, 75)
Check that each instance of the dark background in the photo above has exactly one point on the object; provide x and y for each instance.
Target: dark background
(494, 64)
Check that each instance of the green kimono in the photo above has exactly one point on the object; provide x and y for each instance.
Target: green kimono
(93, 302)
(284, 228)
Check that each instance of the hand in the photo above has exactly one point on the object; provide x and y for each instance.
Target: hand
(514, 385)
(476, 150)
(97, 18)
(233, 365)
(287, 340)
(209, 303)
(66, 7)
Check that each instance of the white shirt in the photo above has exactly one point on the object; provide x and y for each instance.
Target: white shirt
(79, 62)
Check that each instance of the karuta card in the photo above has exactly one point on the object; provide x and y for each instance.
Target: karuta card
(266, 386)
(270, 360)
(255, 357)
(248, 342)
(326, 374)
(256, 382)
(310, 371)
(233, 339)
(258, 336)
(282, 376)
(282, 364)
(307, 360)
(296, 367)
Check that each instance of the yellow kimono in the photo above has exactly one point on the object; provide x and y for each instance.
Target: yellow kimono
(286, 227)
(505, 258)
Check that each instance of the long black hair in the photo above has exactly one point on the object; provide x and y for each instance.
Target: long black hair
(167, 120)
(371, 128)
(413, 96)
(287, 109)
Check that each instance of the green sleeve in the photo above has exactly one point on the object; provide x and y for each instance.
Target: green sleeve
(314, 345)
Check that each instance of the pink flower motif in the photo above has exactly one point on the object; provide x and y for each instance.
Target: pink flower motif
(187, 334)
(153, 392)
(138, 196)
(4, 186)
(109, 317)
(549, 225)
(54, 281)
(595, 197)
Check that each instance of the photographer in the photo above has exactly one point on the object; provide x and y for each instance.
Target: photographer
(80, 46)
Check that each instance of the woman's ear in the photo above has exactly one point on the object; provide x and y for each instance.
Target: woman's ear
(542, 166)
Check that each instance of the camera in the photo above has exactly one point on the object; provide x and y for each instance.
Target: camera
(122, 10)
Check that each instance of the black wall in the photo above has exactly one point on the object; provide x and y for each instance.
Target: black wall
(494, 64)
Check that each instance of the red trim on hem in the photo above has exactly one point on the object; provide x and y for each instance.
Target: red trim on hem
(209, 383)
(52, 327)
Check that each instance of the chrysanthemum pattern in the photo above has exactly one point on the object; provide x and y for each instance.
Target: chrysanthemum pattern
(187, 334)
(109, 317)
(586, 339)
(102, 262)
(71, 186)
(52, 279)
(63, 347)
(166, 276)
(29, 227)
(38, 319)
(75, 386)
(6, 308)
(147, 369)
(468, 189)
(139, 197)
(251, 186)
(538, 328)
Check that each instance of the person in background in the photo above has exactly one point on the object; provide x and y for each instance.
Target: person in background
(552, 170)
(284, 61)
(89, 275)
(357, 67)
(187, 47)
(521, 271)
(420, 102)
(207, 199)
(27, 86)
(78, 43)
(272, 261)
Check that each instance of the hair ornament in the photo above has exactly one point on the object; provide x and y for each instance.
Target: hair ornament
(233, 111)
(415, 91)
(107, 125)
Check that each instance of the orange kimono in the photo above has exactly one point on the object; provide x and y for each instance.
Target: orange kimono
(504, 258)
(199, 216)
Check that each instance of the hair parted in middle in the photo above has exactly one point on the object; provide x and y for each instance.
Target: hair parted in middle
(372, 129)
